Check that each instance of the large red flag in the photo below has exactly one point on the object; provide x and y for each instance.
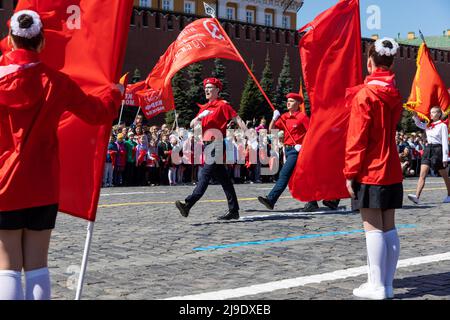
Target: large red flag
(85, 39)
(199, 40)
(331, 58)
(428, 90)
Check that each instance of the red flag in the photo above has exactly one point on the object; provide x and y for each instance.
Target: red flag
(131, 99)
(428, 90)
(152, 103)
(86, 40)
(331, 57)
(199, 40)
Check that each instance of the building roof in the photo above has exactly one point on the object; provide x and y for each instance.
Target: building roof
(436, 42)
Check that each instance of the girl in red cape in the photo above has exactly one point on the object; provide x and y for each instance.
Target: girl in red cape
(372, 166)
(32, 99)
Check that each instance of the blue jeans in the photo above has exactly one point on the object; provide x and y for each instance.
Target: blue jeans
(285, 175)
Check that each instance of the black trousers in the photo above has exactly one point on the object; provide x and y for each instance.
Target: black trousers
(219, 172)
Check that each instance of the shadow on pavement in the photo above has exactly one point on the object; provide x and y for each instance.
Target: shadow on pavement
(437, 284)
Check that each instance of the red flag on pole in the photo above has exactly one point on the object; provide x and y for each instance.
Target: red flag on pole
(331, 59)
(428, 90)
(131, 98)
(199, 40)
(86, 40)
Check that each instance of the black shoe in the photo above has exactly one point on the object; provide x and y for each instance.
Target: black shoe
(184, 209)
(332, 204)
(311, 206)
(229, 215)
(266, 202)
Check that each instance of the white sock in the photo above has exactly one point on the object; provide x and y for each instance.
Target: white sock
(376, 257)
(38, 284)
(392, 254)
(11, 285)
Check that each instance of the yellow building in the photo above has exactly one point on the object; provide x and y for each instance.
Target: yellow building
(262, 12)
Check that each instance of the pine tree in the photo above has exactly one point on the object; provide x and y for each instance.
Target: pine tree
(250, 100)
(264, 110)
(219, 73)
(194, 94)
(284, 85)
(179, 96)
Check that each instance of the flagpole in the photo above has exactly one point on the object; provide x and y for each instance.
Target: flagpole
(121, 110)
(136, 115)
(176, 117)
(87, 245)
(211, 12)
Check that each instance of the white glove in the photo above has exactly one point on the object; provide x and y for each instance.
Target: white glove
(297, 147)
(276, 115)
(204, 114)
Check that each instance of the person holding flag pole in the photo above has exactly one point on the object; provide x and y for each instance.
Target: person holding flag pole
(35, 96)
(430, 101)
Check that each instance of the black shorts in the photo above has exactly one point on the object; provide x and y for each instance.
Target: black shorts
(377, 197)
(36, 218)
(432, 156)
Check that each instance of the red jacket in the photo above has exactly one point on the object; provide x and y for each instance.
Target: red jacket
(221, 114)
(32, 100)
(297, 124)
(371, 155)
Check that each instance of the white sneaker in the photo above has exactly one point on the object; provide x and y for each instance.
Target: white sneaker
(413, 198)
(367, 291)
(389, 292)
(447, 199)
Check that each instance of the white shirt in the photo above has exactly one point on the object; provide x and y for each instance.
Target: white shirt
(438, 134)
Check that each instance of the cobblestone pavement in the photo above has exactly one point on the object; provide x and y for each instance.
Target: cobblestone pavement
(143, 249)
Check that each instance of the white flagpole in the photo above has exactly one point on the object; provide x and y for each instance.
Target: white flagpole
(87, 246)
(121, 110)
(136, 115)
(176, 117)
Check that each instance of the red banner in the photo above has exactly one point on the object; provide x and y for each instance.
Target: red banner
(199, 40)
(151, 103)
(428, 90)
(331, 57)
(131, 98)
(85, 39)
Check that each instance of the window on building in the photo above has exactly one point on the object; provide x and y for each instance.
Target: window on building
(267, 35)
(268, 19)
(231, 13)
(257, 34)
(249, 16)
(144, 3)
(157, 20)
(247, 32)
(169, 22)
(167, 5)
(286, 22)
(277, 36)
(133, 20)
(189, 7)
(287, 37)
(1, 4)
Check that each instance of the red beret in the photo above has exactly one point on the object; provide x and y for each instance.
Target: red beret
(295, 96)
(214, 81)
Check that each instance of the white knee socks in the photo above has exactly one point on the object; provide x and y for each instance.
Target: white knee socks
(11, 285)
(38, 284)
(376, 257)
(392, 254)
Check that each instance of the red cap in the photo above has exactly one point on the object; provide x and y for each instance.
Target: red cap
(214, 81)
(295, 96)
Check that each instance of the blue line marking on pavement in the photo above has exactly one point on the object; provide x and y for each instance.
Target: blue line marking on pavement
(305, 236)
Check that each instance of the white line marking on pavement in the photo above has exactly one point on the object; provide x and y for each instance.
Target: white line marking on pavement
(293, 213)
(301, 281)
(128, 193)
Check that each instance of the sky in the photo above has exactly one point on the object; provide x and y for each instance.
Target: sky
(432, 17)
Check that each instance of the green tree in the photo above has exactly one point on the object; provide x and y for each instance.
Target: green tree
(250, 99)
(179, 96)
(284, 85)
(406, 122)
(264, 110)
(219, 73)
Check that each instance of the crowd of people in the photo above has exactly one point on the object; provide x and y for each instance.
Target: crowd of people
(141, 155)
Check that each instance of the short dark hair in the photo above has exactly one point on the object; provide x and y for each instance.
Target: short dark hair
(381, 60)
(25, 22)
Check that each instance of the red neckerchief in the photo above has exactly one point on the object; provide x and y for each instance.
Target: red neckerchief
(382, 75)
(434, 124)
(21, 57)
